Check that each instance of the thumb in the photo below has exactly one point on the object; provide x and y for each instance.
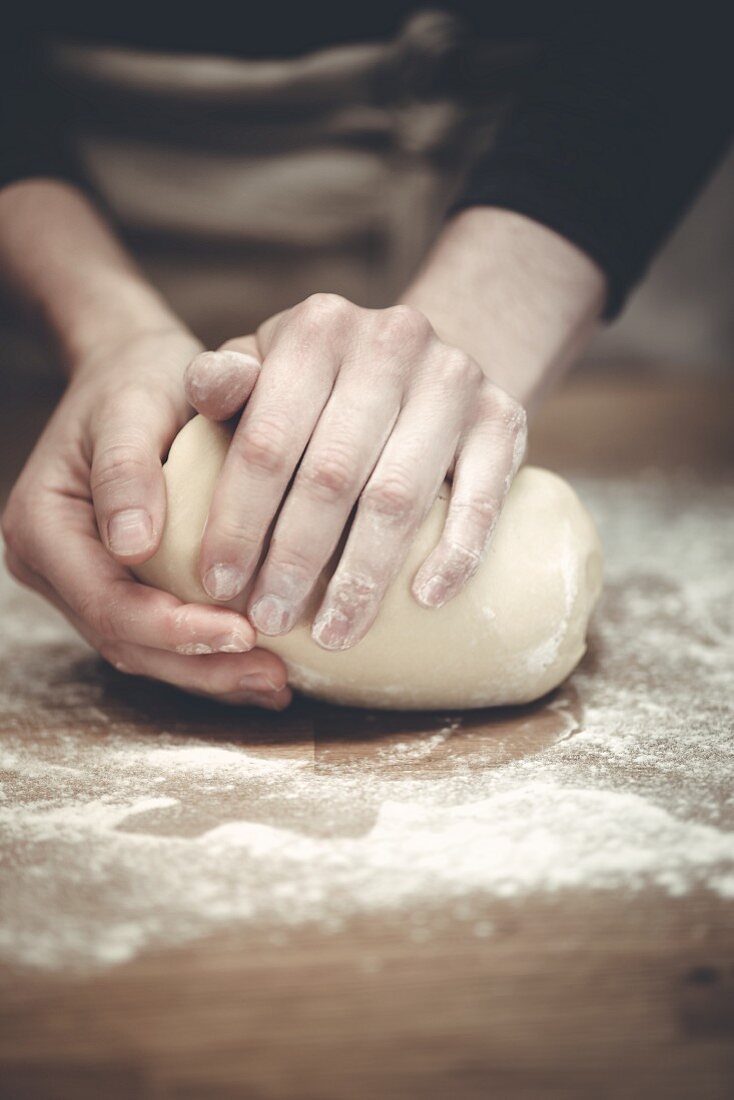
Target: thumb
(128, 489)
(218, 383)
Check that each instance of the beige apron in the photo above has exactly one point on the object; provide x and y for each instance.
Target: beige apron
(243, 186)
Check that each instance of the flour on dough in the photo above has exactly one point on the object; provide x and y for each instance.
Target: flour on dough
(515, 631)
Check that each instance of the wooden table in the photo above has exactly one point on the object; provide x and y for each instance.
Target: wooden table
(333, 905)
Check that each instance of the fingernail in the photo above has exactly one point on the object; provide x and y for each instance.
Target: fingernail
(130, 532)
(434, 592)
(194, 649)
(234, 642)
(259, 681)
(272, 615)
(224, 582)
(332, 630)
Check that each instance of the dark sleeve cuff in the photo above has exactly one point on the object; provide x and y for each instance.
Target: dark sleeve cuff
(614, 134)
(554, 201)
(32, 124)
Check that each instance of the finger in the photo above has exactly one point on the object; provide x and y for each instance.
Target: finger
(259, 692)
(257, 673)
(260, 677)
(114, 606)
(294, 385)
(272, 701)
(126, 477)
(343, 451)
(485, 468)
(218, 383)
(396, 498)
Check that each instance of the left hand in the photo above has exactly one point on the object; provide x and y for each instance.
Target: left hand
(348, 406)
(91, 500)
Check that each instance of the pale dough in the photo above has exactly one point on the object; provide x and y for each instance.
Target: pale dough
(516, 630)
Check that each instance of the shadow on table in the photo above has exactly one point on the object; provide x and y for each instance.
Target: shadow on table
(62, 692)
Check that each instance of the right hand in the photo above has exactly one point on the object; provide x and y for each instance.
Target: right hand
(91, 500)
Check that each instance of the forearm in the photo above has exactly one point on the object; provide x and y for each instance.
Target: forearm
(66, 269)
(517, 297)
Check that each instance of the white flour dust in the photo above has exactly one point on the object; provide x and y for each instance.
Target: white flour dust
(115, 839)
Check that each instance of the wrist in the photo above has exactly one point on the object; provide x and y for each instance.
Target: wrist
(64, 266)
(115, 310)
(520, 299)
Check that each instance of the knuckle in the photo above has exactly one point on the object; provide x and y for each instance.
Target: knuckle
(509, 419)
(295, 566)
(355, 587)
(515, 417)
(231, 538)
(402, 326)
(116, 464)
(326, 302)
(98, 615)
(180, 623)
(480, 510)
(458, 368)
(263, 445)
(392, 496)
(500, 406)
(331, 474)
(323, 309)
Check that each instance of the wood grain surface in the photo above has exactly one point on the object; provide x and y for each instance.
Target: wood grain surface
(574, 992)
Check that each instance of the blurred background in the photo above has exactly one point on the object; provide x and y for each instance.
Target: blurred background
(242, 186)
(679, 320)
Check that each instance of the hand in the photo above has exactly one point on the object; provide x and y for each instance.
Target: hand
(350, 407)
(94, 475)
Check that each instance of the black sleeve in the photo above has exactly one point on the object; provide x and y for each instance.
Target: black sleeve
(31, 113)
(627, 112)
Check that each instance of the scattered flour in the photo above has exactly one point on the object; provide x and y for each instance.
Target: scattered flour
(114, 840)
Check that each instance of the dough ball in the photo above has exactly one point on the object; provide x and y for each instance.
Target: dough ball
(515, 631)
